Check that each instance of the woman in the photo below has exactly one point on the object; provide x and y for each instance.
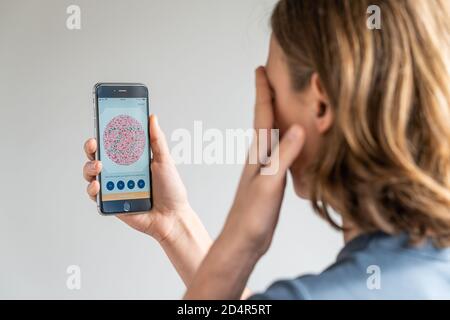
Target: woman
(364, 119)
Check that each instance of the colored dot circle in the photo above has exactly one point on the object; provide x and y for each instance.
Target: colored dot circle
(124, 140)
(130, 184)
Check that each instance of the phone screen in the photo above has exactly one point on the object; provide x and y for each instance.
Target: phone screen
(124, 152)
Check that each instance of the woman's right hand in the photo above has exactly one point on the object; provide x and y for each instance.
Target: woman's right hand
(170, 202)
(171, 221)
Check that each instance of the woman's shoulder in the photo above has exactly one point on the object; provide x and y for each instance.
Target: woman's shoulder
(374, 266)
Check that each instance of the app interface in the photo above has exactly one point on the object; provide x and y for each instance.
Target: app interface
(124, 148)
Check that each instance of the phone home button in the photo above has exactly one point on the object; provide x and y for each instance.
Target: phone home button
(126, 206)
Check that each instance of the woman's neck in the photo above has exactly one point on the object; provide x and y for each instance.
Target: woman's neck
(350, 230)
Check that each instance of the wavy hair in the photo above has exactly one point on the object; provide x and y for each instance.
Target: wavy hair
(385, 163)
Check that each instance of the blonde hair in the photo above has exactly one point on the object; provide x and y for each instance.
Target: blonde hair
(385, 163)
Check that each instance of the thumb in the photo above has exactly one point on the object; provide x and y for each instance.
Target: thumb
(158, 141)
(287, 150)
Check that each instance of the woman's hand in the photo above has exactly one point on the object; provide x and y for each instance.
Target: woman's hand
(254, 214)
(169, 194)
(171, 221)
(250, 225)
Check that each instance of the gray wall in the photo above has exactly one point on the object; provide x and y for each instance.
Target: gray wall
(198, 58)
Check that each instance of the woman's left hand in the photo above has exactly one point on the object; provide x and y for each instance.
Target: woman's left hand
(254, 214)
(250, 225)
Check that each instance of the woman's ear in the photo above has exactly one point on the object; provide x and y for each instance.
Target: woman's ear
(324, 115)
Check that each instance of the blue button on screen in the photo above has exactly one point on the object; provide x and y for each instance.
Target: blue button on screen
(110, 185)
(141, 184)
(120, 185)
(130, 184)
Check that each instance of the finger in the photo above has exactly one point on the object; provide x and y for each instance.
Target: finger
(263, 123)
(90, 147)
(263, 105)
(93, 189)
(285, 152)
(91, 170)
(158, 141)
(264, 117)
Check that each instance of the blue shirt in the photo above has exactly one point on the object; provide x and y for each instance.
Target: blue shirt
(374, 266)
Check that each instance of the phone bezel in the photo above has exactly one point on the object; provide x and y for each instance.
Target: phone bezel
(120, 90)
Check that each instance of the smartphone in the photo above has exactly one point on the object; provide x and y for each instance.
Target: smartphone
(121, 116)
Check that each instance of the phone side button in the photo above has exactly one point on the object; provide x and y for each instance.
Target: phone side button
(126, 206)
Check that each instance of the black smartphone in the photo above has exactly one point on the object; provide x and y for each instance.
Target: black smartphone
(122, 130)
